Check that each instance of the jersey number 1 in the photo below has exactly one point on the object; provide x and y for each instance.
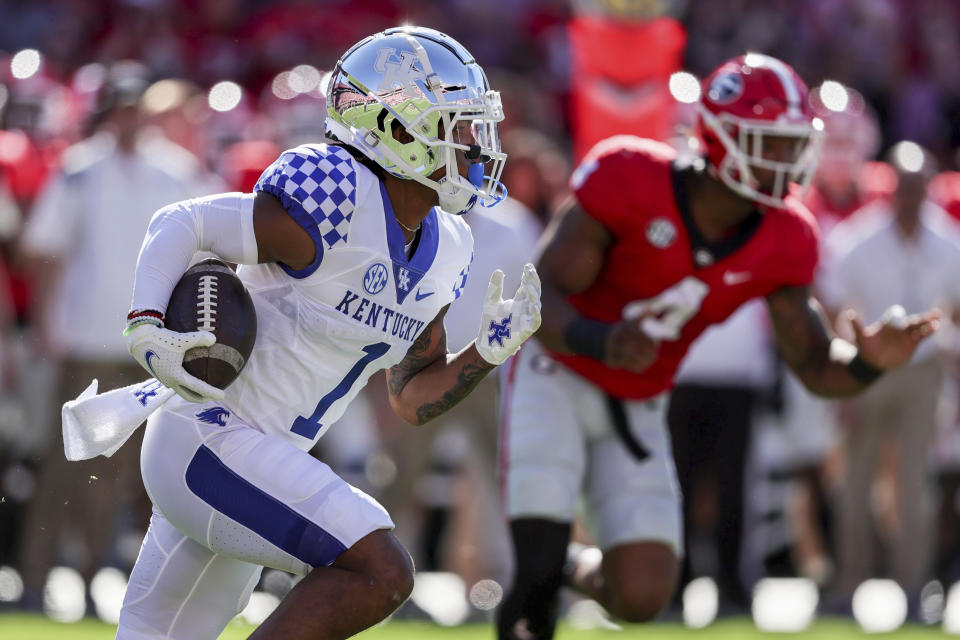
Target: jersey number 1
(308, 427)
(664, 315)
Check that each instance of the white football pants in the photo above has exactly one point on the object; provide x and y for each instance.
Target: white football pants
(558, 438)
(229, 500)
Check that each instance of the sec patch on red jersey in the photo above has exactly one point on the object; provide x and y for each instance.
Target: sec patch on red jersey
(210, 297)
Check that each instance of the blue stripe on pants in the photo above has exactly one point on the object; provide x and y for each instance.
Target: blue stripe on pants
(233, 496)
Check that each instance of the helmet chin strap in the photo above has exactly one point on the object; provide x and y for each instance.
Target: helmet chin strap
(454, 192)
(454, 200)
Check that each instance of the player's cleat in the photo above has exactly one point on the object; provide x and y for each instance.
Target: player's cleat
(581, 560)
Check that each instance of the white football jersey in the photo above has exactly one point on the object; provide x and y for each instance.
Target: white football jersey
(324, 330)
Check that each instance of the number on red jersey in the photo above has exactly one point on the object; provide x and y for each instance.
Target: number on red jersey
(665, 314)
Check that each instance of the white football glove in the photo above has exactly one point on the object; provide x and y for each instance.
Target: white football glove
(506, 324)
(160, 351)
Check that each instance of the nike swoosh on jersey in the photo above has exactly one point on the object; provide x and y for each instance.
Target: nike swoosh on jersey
(420, 296)
(731, 278)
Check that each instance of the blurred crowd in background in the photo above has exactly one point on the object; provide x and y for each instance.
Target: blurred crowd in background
(111, 109)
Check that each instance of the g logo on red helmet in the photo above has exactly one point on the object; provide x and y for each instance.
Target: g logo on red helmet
(726, 88)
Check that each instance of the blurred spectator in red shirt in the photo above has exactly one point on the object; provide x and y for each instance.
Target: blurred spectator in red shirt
(243, 162)
(945, 191)
(37, 122)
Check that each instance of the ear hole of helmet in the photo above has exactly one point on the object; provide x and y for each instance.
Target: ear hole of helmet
(424, 158)
(399, 133)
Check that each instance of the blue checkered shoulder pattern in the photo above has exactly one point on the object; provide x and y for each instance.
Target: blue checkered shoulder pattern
(462, 279)
(317, 185)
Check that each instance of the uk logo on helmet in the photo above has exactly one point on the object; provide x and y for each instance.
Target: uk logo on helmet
(726, 88)
(398, 69)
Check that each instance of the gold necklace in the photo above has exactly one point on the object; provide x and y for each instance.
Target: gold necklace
(408, 228)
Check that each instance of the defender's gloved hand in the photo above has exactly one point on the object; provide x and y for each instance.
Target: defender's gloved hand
(160, 351)
(506, 324)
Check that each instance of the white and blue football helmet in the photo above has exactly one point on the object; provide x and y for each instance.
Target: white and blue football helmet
(427, 84)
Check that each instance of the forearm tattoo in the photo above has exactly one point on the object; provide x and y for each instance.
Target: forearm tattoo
(467, 379)
(420, 355)
(429, 348)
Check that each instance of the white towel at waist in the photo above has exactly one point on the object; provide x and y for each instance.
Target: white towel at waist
(95, 424)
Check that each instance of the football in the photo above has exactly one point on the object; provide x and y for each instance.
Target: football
(210, 297)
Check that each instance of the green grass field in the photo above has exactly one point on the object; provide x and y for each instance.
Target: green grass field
(35, 627)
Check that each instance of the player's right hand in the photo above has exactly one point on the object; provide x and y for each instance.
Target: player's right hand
(160, 351)
(629, 347)
(506, 324)
(892, 341)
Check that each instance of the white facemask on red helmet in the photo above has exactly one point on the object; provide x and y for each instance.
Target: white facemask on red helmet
(744, 101)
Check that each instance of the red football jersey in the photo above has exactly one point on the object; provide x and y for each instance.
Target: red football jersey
(659, 266)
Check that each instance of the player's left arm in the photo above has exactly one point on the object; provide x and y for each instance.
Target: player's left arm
(429, 380)
(830, 366)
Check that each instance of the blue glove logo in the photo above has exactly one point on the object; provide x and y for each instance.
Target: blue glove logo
(499, 331)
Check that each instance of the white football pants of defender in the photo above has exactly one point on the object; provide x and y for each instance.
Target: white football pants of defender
(229, 500)
(558, 437)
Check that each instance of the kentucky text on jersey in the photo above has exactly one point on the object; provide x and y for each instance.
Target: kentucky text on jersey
(370, 313)
(325, 329)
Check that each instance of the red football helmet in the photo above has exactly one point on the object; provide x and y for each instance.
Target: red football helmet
(742, 101)
(851, 134)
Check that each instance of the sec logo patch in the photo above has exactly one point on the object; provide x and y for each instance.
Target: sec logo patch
(661, 233)
(375, 279)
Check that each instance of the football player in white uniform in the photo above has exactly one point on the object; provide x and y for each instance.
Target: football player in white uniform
(352, 253)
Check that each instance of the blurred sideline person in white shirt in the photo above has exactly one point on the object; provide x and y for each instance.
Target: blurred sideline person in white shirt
(797, 435)
(903, 251)
(86, 225)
